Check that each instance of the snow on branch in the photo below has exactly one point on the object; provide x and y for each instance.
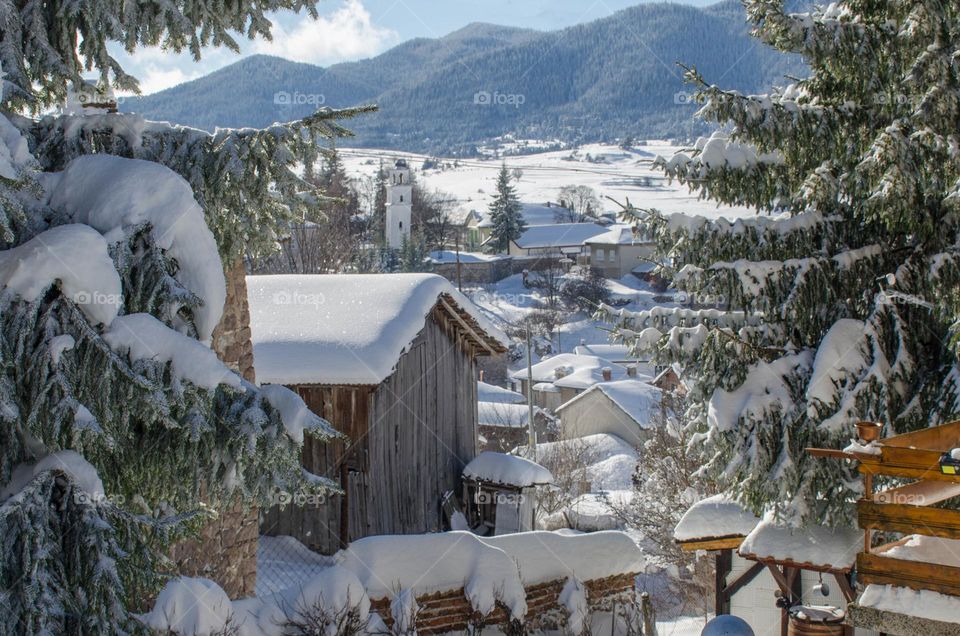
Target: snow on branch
(76, 256)
(115, 195)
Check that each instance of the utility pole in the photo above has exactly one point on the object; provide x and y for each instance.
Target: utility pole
(459, 279)
(531, 431)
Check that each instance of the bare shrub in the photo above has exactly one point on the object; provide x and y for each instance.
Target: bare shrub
(318, 619)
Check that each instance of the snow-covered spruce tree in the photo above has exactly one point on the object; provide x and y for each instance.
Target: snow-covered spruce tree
(506, 214)
(838, 304)
(119, 428)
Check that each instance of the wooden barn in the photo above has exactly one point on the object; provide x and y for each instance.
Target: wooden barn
(391, 361)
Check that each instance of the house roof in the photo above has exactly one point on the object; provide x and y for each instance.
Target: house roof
(558, 235)
(532, 213)
(618, 234)
(492, 393)
(578, 371)
(609, 351)
(505, 415)
(351, 329)
(450, 256)
(635, 397)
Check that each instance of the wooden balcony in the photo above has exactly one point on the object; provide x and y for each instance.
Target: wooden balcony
(908, 509)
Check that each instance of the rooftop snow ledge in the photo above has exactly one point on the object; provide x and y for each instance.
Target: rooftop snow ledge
(713, 518)
(816, 546)
(507, 470)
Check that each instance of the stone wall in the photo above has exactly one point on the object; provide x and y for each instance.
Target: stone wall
(450, 611)
(226, 550)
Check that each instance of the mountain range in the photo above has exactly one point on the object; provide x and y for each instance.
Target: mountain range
(599, 81)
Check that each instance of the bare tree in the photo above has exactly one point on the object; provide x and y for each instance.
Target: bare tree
(667, 477)
(568, 461)
(578, 203)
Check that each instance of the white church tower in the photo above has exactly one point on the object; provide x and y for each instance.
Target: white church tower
(399, 204)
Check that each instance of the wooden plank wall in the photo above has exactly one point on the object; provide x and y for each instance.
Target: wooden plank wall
(422, 432)
(410, 439)
(317, 525)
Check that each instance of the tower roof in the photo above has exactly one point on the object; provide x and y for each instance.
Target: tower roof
(401, 163)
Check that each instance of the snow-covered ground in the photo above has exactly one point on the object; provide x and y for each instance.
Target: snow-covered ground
(609, 170)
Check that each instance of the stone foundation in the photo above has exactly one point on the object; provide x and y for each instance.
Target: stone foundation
(895, 624)
(451, 612)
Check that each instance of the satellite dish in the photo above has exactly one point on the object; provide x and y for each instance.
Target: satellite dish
(727, 625)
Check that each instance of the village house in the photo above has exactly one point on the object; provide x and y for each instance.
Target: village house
(560, 378)
(487, 392)
(556, 240)
(503, 427)
(629, 409)
(391, 362)
(619, 251)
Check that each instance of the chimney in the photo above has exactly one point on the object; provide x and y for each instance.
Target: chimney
(607, 374)
(481, 375)
(583, 342)
(631, 371)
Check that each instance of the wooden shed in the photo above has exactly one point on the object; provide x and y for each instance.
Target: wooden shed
(390, 361)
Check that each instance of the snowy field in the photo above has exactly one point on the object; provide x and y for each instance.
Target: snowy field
(609, 170)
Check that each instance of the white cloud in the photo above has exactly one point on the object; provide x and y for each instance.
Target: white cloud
(347, 34)
(153, 79)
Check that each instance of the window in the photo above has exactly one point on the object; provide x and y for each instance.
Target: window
(599, 258)
(401, 225)
(401, 198)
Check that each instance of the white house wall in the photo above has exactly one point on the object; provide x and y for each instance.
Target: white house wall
(596, 413)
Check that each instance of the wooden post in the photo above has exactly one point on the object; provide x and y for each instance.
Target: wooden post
(724, 564)
(649, 618)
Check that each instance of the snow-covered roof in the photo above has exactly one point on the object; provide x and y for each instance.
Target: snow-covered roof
(450, 256)
(493, 393)
(618, 234)
(506, 415)
(577, 371)
(532, 213)
(816, 546)
(714, 518)
(546, 387)
(507, 470)
(545, 556)
(558, 235)
(349, 329)
(635, 397)
(615, 352)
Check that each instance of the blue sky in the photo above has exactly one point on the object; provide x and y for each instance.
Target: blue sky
(355, 29)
